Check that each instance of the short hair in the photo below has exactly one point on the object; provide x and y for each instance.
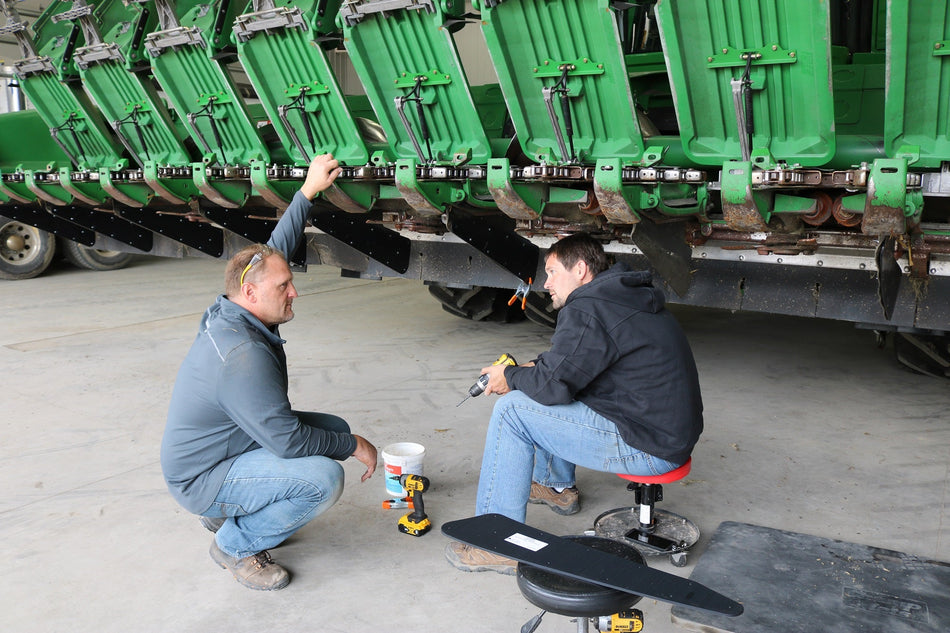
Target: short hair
(237, 264)
(580, 247)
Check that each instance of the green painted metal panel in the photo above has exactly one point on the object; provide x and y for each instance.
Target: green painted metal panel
(27, 143)
(531, 43)
(74, 120)
(67, 111)
(296, 85)
(917, 107)
(409, 53)
(706, 42)
(199, 85)
(129, 100)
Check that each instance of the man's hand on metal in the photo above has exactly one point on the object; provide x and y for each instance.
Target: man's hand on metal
(366, 453)
(322, 172)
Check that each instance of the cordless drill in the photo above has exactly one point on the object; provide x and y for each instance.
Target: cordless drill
(479, 387)
(416, 523)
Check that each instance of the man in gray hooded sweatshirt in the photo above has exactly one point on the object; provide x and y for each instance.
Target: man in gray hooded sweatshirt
(234, 451)
(617, 392)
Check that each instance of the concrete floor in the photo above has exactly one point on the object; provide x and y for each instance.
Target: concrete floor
(809, 428)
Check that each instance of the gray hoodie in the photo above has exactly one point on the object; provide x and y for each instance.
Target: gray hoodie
(230, 396)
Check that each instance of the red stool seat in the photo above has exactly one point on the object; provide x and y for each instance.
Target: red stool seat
(665, 478)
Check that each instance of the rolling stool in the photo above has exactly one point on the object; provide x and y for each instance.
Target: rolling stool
(582, 600)
(650, 530)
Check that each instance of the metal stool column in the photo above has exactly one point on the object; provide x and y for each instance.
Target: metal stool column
(650, 530)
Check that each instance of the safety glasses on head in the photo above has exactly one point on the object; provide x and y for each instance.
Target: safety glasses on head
(254, 260)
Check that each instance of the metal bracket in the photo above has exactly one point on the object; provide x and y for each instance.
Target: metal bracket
(66, 182)
(742, 208)
(509, 198)
(408, 185)
(263, 187)
(267, 18)
(739, 57)
(886, 198)
(575, 68)
(29, 178)
(158, 42)
(355, 12)
(200, 177)
(150, 175)
(11, 194)
(105, 181)
(609, 189)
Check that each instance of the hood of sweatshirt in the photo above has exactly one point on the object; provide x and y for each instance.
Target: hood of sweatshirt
(623, 286)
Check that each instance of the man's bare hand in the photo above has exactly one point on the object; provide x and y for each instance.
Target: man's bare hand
(322, 172)
(366, 453)
(496, 379)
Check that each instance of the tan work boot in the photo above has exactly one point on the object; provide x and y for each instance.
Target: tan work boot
(256, 572)
(467, 558)
(567, 501)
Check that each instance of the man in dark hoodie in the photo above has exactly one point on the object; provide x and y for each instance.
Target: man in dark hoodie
(234, 451)
(617, 392)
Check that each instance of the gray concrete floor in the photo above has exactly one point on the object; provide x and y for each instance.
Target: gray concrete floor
(809, 428)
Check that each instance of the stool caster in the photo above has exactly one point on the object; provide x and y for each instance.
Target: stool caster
(678, 559)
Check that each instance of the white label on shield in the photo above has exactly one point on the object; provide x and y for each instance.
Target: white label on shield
(526, 542)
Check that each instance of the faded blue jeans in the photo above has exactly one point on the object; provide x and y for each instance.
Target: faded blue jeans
(530, 441)
(268, 498)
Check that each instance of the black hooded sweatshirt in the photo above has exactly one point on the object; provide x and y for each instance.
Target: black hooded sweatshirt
(617, 349)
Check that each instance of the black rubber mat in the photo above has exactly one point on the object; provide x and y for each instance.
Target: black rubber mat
(793, 583)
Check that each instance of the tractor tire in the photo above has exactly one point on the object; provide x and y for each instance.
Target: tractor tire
(540, 309)
(923, 354)
(25, 251)
(92, 258)
(478, 303)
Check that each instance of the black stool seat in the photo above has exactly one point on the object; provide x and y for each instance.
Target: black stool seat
(568, 596)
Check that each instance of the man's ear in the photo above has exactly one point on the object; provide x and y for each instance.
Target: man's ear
(249, 292)
(581, 269)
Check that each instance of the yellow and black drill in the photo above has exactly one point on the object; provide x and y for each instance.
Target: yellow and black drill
(416, 523)
(479, 387)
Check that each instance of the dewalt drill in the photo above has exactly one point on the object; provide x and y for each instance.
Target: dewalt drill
(479, 387)
(416, 523)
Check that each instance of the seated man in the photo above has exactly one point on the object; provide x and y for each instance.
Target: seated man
(617, 392)
(234, 451)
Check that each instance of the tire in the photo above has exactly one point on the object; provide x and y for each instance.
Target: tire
(94, 259)
(540, 309)
(478, 303)
(25, 251)
(923, 354)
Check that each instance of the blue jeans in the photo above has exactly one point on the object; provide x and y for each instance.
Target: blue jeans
(530, 441)
(267, 498)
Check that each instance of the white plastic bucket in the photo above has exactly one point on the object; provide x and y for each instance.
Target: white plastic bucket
(398, 459)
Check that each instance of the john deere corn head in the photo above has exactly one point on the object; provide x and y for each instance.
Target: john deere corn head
(788, 156)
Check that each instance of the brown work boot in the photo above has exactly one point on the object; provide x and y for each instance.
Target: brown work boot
(567, 501)
(467, 558)
(258, 571)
